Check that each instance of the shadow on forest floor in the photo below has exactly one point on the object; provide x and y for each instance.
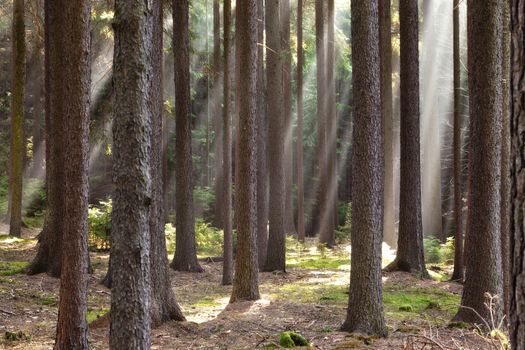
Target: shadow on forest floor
(310, 299)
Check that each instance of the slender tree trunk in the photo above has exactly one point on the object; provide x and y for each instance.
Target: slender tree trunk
(459, 268)
(410, 241)
(505, 159)
(483, 273)
(185, 258)
(517, 225)
(16, 154)
(132, 198)
(163, 306)
(385, 42)
(72, 307)
(246, 282)
(289, 226)
(217, 113)
(365, 309)
(262, 136)
(300, 123)
(227, 272)
(49, 255)
(275, 259)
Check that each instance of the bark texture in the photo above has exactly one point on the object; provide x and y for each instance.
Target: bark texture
(262, 137)
(385, 44)
(217, 112)
(185, 258)
(132, 198)
(289, 225)
(72, 307)
(227, 272)
(483, 273)
(49, 254)
(16, 153)
(517, 225)
(275, 256)
(459, 267)
(365, 309)
(410, 240)
(246, 282)
(163, 305)
(300, 124)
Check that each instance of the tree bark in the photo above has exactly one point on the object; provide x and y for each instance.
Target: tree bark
(289, 225)
(517, 225)
(410, 240)
(483, 273)
(132, 198)
(262, 137)
(185, 258)
(163, 305)
(275, 259)
(385, 42)
(365, 308)
(16, 154)
(459, 267)
(246, 282)
(227, 271)
(300, 123)
(72, 307)
(49, 254)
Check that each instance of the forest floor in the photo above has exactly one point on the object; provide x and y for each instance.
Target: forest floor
(310, 299)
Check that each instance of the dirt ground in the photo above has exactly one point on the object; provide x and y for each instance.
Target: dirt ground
(311, 302)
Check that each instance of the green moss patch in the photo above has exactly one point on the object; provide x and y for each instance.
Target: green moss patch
(95, 314)
(10, 268)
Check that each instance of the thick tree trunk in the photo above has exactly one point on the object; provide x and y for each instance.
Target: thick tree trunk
(185, 258)
(289, 225)
(505, 159)
(483, 273)
(459, 267)
(49, 254)
(132, 198)
(227, 271)
(262, 137)
(517, 225)
(410, 240)
(275, 258)
(385, 43)
(163, 305)
(72, 307)
(16, 154)
(365, 309)
(246, 282)
(300, 124)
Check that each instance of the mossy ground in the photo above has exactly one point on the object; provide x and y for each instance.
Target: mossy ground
(309, 299)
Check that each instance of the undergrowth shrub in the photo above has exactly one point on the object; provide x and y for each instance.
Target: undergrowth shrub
(99, 225)
(342, 234)
(437, 252)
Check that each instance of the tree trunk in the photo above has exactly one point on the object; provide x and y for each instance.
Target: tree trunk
(132, 198)
(72, 307)
(459, 267)
(16, 153)
(365, 309)
(300, 123)
(163, 305)
(185, 258)
(505, 159)
(289, 226)
(246, 282)
(217, 115)
(410, 240)
(275, 259)
(517, 225)
(483, 273)
(262, 136)
(385, 43)
(227, 271)
(49, 255)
